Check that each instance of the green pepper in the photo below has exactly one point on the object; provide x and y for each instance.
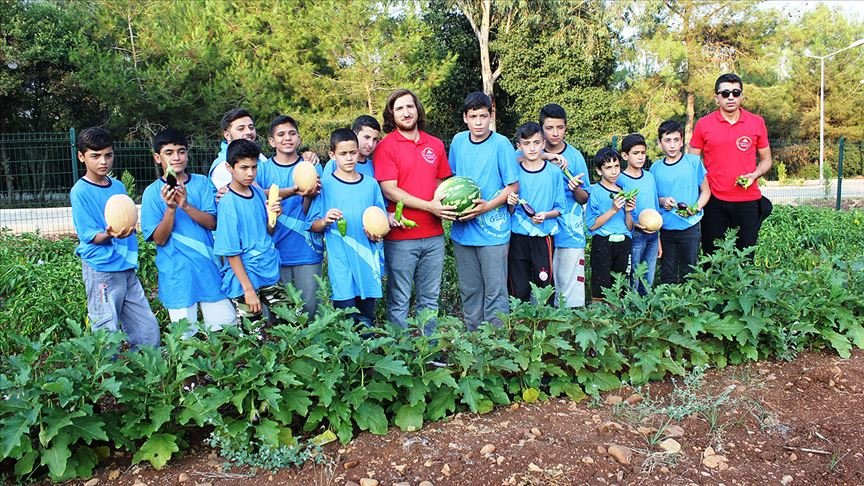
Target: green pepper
(342, 225)
(567, 173)
(409, 223)
(398, 214)
(743, 182)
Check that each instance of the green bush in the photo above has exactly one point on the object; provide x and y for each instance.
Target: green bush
(68, 404)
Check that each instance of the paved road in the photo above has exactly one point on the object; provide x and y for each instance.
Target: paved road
(58, 221)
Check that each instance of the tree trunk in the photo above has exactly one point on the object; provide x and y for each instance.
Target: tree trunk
(485, 58)
(691, 113)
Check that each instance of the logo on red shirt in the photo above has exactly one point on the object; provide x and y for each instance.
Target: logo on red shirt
(429, 155)
(744, 143)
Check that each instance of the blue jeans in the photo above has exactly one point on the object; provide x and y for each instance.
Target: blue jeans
(365, 308)
(115, 300)
(416, 264)
(680, 252)
(644, 249)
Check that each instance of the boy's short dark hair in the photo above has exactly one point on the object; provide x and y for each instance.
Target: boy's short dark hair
(728, 78)
(365, 121)
(242, 149)
(670, 126)
(528, 130)
(607, 154)
(94, 138)
(632, 140)
(477, 101)
(282, 120)
(342, 135)
(232, 115)
(390, 119)
(552, 110)
(167, 137)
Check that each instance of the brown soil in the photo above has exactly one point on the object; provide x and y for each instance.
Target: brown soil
(798, 423)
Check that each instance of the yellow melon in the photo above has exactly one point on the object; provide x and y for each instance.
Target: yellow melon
(650, 219)
(305, 176)
(375, 221)
(121, 213)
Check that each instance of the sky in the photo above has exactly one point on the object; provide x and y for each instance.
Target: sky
(851, 8)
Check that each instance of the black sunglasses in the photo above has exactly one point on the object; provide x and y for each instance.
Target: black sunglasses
(726, 92)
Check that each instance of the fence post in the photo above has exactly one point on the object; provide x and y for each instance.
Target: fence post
(840, 171)
(74, 150)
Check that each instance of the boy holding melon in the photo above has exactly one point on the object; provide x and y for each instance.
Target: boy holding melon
(682, 193)
(645, 243)
(300, 252)
(609, 217)
(481, 234)
(109, 256)
(243, 235)
(353, 251)
(178, 213)
(535, 211)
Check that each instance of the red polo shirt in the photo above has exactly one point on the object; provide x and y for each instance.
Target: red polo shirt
(728, 151)
(416, 168)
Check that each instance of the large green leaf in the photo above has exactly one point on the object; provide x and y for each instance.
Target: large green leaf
(471, 395)
(390, 367)
(370, 416)
(442, 402)
(410, 418)
(157, 450)
(56, 456)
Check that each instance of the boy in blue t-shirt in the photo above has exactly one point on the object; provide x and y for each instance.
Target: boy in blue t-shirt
(534, 212)
(645, 245)
(609, 218)
(481, 235)
(353, 255)
(568, 262)
(243, 235)
(680, 178)
(178, 213)
(300, 252)
(115, 298)
(368, 132)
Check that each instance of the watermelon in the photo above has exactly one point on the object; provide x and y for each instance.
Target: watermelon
(459, 192)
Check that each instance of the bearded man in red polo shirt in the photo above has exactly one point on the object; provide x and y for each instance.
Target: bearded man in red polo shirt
(734, 147)
(409, 165)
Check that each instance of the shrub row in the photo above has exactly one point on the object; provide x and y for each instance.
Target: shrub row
(67, 405)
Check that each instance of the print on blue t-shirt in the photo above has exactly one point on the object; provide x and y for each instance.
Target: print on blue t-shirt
(353, 262)
(88, 217)
(571, 223)
(680, 180)
(241, 229)
(490, 163)
(598, 203)
(296, 245)
(647, 197)
(543, 189)
(189, 271)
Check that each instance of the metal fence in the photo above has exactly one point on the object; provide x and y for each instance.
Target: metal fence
(37, 170)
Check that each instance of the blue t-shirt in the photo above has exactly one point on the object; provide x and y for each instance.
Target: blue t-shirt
(492, 165)
(647, 197)
(241, 229)
(598, 203)
(543, 189)
(188, 270)
(680, 180)
(88, 217)
(572, 220)
(353, 262)
(218, 173)
(366, 168)
(296, 245)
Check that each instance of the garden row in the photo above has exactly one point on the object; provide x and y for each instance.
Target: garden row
(69, 402)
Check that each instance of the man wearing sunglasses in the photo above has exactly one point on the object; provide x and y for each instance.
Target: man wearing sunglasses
(734, 147)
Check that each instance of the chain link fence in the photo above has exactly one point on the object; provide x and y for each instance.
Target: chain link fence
(38, 169)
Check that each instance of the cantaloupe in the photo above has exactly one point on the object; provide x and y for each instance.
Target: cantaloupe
(305, 176)
(375, 221)
(650, 219)
(121, 213)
